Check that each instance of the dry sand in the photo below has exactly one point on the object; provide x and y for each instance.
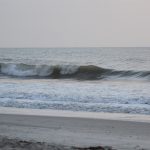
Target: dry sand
(80, 129)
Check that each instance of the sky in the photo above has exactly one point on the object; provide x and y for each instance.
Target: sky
(74, 23)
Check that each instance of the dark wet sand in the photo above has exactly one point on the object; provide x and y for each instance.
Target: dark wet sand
(16, 144)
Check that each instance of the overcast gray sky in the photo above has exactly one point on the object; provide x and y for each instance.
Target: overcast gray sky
(74, 23)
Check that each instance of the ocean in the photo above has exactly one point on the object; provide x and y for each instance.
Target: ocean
(115, 80)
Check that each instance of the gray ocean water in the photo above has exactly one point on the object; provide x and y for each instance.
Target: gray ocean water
(78, 79)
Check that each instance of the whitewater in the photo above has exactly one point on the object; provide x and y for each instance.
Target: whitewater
(77, 79)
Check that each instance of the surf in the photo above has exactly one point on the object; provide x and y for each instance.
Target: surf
(81, 72)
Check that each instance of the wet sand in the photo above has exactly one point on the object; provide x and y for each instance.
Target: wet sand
(11, 144)
(78, 129)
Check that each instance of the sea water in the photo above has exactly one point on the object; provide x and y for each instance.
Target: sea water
(77, 79)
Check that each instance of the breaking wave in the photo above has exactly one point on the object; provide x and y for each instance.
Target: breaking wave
(89, 72)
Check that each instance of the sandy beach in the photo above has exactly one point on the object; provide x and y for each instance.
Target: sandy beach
(79, 129)
(74, 74)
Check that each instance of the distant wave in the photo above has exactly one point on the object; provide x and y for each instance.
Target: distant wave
(89, 72)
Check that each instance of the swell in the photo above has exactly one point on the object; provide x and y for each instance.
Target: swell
(89, 72)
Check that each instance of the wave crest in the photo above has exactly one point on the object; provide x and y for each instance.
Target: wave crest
(89, 72)
(25, 70)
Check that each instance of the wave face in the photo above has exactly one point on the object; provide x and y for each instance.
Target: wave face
(89, 72)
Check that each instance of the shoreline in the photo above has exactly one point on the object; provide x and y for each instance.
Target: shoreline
(75, 114)
(81, 129)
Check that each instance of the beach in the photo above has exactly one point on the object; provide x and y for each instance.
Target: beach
(75, 98)
(77, 129)
(74, 75)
